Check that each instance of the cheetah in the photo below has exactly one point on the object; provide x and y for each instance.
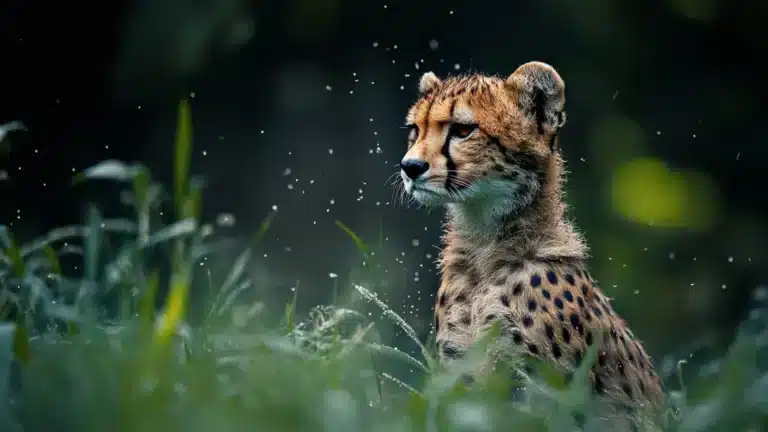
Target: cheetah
(486, 148)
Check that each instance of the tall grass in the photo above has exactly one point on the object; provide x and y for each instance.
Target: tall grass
(135, 337)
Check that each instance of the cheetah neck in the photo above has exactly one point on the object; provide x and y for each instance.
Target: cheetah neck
(538, 230)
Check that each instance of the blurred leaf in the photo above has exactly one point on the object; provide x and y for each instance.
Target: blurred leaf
(355, 238)
(264, 227)
(644, 190)
(290, 310)
(395, 353)
(92, 244)
(21, 340)
(7, 339)
(553, 377)
(182, 157)
(173, 231)
(109, 170)
(12, 251)
(407, 329)
(174, 311)
(147, 304)
(53, 259)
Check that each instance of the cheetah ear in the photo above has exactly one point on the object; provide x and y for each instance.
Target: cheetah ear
(428, 82)
(540, 93)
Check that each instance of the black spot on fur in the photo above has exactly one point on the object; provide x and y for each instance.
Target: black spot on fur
(588, 338)
(584, 289)
(505, 300)
(546, 294)
(535, 280)
(568, 296)
(556, 352)
(566, 335)
(580, 301)
(532, 305)
(533, 349)
(569, 278)
(517, 289)
(527, 320)
(560, 316)
(575, 321)
(549, 331)
(441, 300)
(596, 310)
(517, 337)
(461, 298)
(602, 358)
(552, 277)
(558, 303)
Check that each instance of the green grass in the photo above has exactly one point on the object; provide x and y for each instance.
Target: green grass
(134, 337)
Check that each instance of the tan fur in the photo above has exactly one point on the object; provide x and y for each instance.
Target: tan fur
(510, 254)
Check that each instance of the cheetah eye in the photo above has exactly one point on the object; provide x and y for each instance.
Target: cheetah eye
(413, 132)
(461, 130)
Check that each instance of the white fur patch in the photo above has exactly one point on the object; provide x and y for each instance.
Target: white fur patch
(463, 114)
(428, 81)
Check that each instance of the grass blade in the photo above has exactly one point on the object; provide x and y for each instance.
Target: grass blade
(398, 355)
(182, 157)
(370, 296)
(355, 238)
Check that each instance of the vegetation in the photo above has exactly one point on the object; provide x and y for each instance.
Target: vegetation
(85, 346)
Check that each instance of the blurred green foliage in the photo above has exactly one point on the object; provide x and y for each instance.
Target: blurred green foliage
(76, 366)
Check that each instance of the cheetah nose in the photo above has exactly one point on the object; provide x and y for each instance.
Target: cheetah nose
(413, 168)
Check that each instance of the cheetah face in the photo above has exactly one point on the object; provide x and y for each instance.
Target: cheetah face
(482, 142)
(456, 161)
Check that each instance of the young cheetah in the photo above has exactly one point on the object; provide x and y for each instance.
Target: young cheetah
(487, 149)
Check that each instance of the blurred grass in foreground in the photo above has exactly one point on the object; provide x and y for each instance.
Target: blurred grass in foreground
(148, 361)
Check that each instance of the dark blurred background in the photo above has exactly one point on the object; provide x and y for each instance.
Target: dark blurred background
(297, 104)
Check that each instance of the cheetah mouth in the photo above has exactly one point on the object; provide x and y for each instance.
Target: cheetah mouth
(429, 195)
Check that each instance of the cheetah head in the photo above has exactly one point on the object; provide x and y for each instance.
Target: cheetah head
(483, 142)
